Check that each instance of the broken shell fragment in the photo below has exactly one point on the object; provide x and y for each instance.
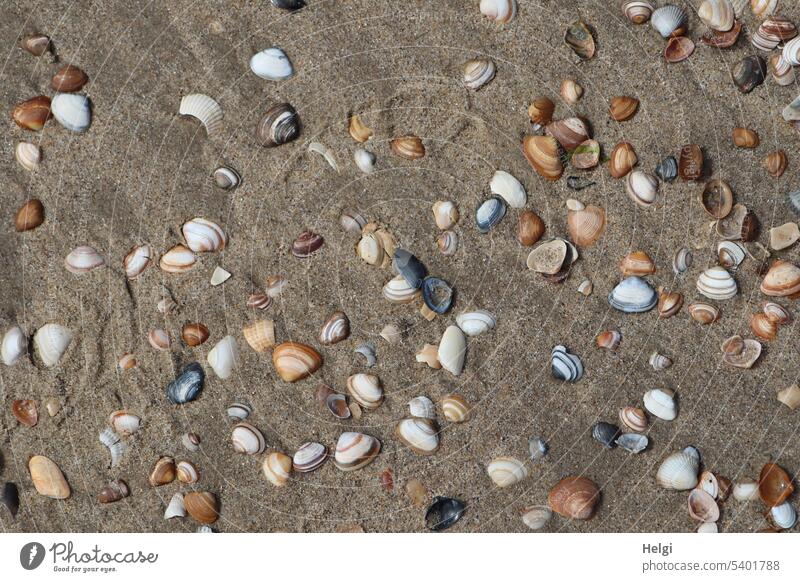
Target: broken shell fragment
(124, 422)
(506, 471)
(419, 434)
(549, 257)
(429, 354)
(790, 396)
(159, 339)
(116, 490)
(223, 356)
(204, 109)
(740, 224)
(632, 442)
(175, 507)
(730, 254)
(437, 295)
(294, 361)
(114, 444)
(606, 434)
(574, 498)
(47, 478)
(608, 340)
(784, 236)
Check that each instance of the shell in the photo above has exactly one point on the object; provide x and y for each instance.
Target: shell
(309, 456)
(506, 471)
(326, 152)
(455, 408)
(352, 221)
(661, 404)
(478, 72)
(642, 188)
(632, 442)
(474, 323)
(783, 516)
(28, 155)
(749, 73)
(585, 288)
(335, 329)
(260, 334)
(176, 507)
(36, 44)
(277, 468)
(408, 147)
(115, 490)
(397, 290)
(337, 404)
(247, 439)
(690, 162)
(194, 334)
(702, 506)
(191, 442)
(608, 340)
(364, 160)
(47, 478)
(137, 260)
(740, 224)
(682, 260)
(530, 228)
(279, 125)
(502, 11)
(69, 79)
(784, 236)
(294, 361)
(622, 160)
(637, 263)
(606, 434)
(623, 108)
(541, 111)
(437, 295)
(633, 295)
(29, 216)
(203, 235)
(586, 225)
(745, 491)
(774, 485)
(429, 354)
(271, 64)
(776, 313)
(586, 156)
(773, 31)
(392, 333)
(678, 49)
(508, 188)
(238, 411)
(717, 199)
(178, 259)
(187, 472)
(490, 213)
(226, 178)
(447, 242)
(202, 506)
(717, 283)
(637, 11)
(536, 517)
(679, 471)
(781, 70)
(124, 422)
(669, 20)
(366, 390)
(790, 396)
(544, 156)
(570, 132)
(419, 434)
(740, 352)
(633, 418)
(204, 109)
(717, 15)
(443, 512)
(376, 246)
(409, 267)
(115, 446)
(579, 38)
(14, 345)
(730, 254)
(782, 280)
(574, 498)
(791, 52)
(537, 448)
(763, 8)
(25, 412)
(549, 257)
(422, 407)
(355, 450)
(669, 303)
(187, 386)
(51, 341)
(776, 163)
(358, 130)
(72, 111)
(571, 92)
(452, 350)
(565, 366)
(33, 113)
(223, 356)
(82, 260)
(659, 362)
(445, 214)
(763, 327)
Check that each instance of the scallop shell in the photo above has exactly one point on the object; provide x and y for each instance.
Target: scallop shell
(82, 260)
(478, 72)
(717, 283)
(271, 64)
(223, 356)
(633, 295)
(72, 111)
(536, 517)
(294, 361)
(452, 350)
(586, 225)
(335, 329)
(366, 390)
(543, 154)
(679, 471)
(279, 125)
(309, 457)
(455, 408)
(364, 160)
(633, 418)
(355, 450)
(565, 366)
(740, 352)
(14, 345)
(502, 11)
(508, 188)
(397, 290)
(717, 15)
(277, 468)
(28, 155)
(260, 334)
(506, 471)
(187, 386)
(579, 38)
(574, 497)
(178, 259)
(419, 434)
(661, 404)
(203, 108)
(115, 446)
(247, 439)
(642, 188)
(474, 323)
(668, 20)
(51, 341)
(637, 11)
(408, 147)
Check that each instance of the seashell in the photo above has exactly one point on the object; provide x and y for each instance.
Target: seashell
(763, 327)
(679, 470)
(774, 485)
(194, 334)
(678, 49)
(47, 478)
(745, 138)
(452, 350)
(586, 155)
(783, 516)
(586, 225)
(502, 11)
(279, 125)
(749, 73)
(364, 160)
(633, 418)
(178, 259)
(115, 446)
(445, 214)
(325, 152)
(642, 188)
(408, 147)
(219, 276)
(29, 216)
(203, 235)
(717, 15)
(337, 404)
(72, 111)
(367, 350)
(702, 506)
(204, 109)
(376, 246)
(51, 341)
(745, 491)
(782, 280)
(585, 288)
(455, 408)
(366, 390)
(260, 334)
(606, 434)
(637, 263)
(490, 213)
(159, 339)
(574, 498)
(28, 155)
(290, 5)
(392, 333)
(775, 163)
(763, 8)
(537, 448)
(784, 236)
(579, 38)
(536, 517)
(447, 242)
(731, 254)
(191, 441)
(622, 160)
(33, 113)
(137, 260)
(542, 153)
(791, 52)
(124, 422)
(637, 11)
(739, 352)
(238, 411)
(355, 450)
(669, 20)
(126, 362)
(682, 260)
(717, 199)
(716, 283)
(659, 362)
(549, 257)
(13, 346)
(82, 260)
(335, 329)
(202, 506)
(419, 434)
(309, 457)
(35, 44)
(690, 162)
(429, 354)
(444, 512)
(271, 64)
(116, 490)
(570, 132)
(294, 361)
(409, 267)
(397, 290)
(669, 303)
(623, 108)
(740, 224)
(508, 188)
(166, 306)
(422, 407)
(277, 468)
(25, 412)
(352, 221)
(187, 386)
(530, 228)
(69, 79)
(358, 130)
(781, 70)
(506, 471)
(176, 507)
(565, 366)
(608, 340)
(541, 111)
(478, 72)
(772, 32)
(474, 323)
(790, 396)
(187, 472)
(632, 442)
(661, 404)
(571, 92)
(776, 313)
(247, 439)
(633, 295)
(226, 178)
(437, 295)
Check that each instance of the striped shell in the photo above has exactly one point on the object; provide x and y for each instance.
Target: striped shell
(203, 235)
(309, 457)
(543, 154)
(335, 329)
(28, 155)
(661, 404)
(637, 263)
(633, 418)
(422, 407)
(447, 242)
(187, 472)
(633, 295)
(294, 361)
(355, 450)
(204, 109)
(478, 72)
(574, 498)
(366, 390)
(247, 439)
(637, 11)
(776, 312)
(782, 280)
(397, 290)
(408, 147)
(137, 260)
(419, 434)
(641, 187)
(763, 8)
(178, 259)
(703, 313)
(506, 471)
(566, 366)
(730, 254)
(474, 323)
(455, 408)
(279, 125)
(277, 468)
(717, 14)
(82, 260)
(717, 283)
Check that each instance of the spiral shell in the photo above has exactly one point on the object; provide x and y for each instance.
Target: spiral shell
(294, 361)
(277, 468)
(574, 498)
(506, 471)
(355, 450)
(82, 260)
(478, 72)
(279, 125)
(419, 434)
(542, 152)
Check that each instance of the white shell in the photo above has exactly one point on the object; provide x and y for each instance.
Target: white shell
(204, 109)
(506, 471)
(398, 290)
(445, 214)
(203, 235)
(365, 161)
(366, 390)
(746, 491)
(730, 253)
(679, 471)
(51, 341)
(219, 276)
(137, 260)
(422, 407)
(710, 527)
(668, 19)
(509, 189)
(452, 349)
(661, 403)
(115, 446)
(28, 155)
(633, 295)
(72, 110)
(271, 64)
(791, 52)
(783, 515)
(478, 72)
(222, 357)
(14, 345)
(717, 14)
(499, 10)
(642, 188)
(537, 517)
(475, 322)
(247, 439)
(178, 259)
(83, 259)
(323, 150)
(355, 450)
(717, 283)
(420, 434)
(175, 508)
(125, 423)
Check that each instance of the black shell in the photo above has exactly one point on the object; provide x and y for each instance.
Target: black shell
(279, 125)
(289, 4)
(667, 170)
(749, 73)
(410, 267)
(443, 513)
(606, 434)
(437, 294)
(187, 386)
(10, 498)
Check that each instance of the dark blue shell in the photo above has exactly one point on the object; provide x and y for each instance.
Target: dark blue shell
(794, 202)
(490, 213)
(289, 4)
(188, 385)
(443, 513)
(437, 294)
(667, 170)
(410, 267)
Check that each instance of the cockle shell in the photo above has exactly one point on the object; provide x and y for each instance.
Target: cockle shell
(717, 283)
(641, 187)
(478, 72)
(137, 260)
(668, 20)
(187, 386)
(565, 366)
(175, 507)
(277, 468)
(452, 350)
(782, 280)
(508, 188)
(633, 295)
(335, 329)
(178, 259)
(740, 352)
(717, 14)
(419, 434)
(586, 224)
(366, 390)
(309, 457)
(506, 471)
(422, 407)
(203, 235)
(28, 155)
(622, 160)
(72, 111)
(294, 361)
(124, 422)
(637, 11)
(455, 408)
(47, 478)
(502, 11)
(579, 38)
(114, 444)
(247, 439)
(702, 506)
(408, 147)
(542, 152)
(474, 323)
(223, 356)
(574, 497)
(661, 403)
(679, 471)
(271, 64)
(202, 506)
(83, 259)
(260, 334)
(536, 517)
(14, 345)
(355, 450)
(280, 124)
(51, 341)
(203, 108)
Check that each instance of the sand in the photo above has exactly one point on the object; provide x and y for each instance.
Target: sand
(140, 172)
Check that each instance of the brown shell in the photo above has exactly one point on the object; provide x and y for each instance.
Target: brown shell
(718, 39)
(608, 339)
(774, 485)
(294, 361)
(574, 497)
(541, 110)
(408, 147)
(690, 162)
(623, 108)
(163, 472)
(763, 326)
(29, 216)
(586, 226)
(622, 160)
(782, 280)
(194, 334)
(569, 133)
(637, 263)
(25, 412)
(669, 303)
(306, 244)
(717, 198)
(203, 506)
(775, 163)
(745, 138)
(678, 49)
(359, 131)
(33, 113)
(586, 156)
(530, 228)
(69, 79)
(544, 155)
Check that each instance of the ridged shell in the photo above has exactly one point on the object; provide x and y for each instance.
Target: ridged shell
(14, 345)
(623, 107)
(82, 260)
(178, 259)
(542, 152)
(633, 418)
(202, 506)
(763, 327)
(506, 471)
(679, 471)
(574, 498)
(223, 356)
(187, 386)
(772, 32)
(271, 64)
(51, 341)
(355, 450)
(502, 11)
(294, 361)
(565, 366)
(791, 52)
(419, 434)
(474, 323)
(280, 124)
(277, 468)
(366, 390)
(478, 72)
(678, 49)
(661, 404)
(717, 283)
(642, 188)
(260, 334)
(668, 19)
(72, 111)
(408, 147)
(586, 225)
(452, 350)
(309, 457)
(114, 444)
(633, 295)
(247, 439)
(203, 108)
